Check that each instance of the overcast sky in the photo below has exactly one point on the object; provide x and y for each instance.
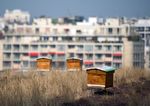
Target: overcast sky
(100, 8)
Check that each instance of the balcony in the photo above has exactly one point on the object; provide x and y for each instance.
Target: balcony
(87, 62)
(117, 61)
(107, 59)
(70, 50)
(24, 58)
(7, 58)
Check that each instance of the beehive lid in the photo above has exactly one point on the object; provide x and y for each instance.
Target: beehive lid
(106, 69)
(43, 58)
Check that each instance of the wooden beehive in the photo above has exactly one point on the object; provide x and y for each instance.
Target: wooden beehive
(100, 77)
(44, 64)
(74, 64)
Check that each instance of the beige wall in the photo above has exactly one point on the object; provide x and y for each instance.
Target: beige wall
(127, 53)
(133, 54)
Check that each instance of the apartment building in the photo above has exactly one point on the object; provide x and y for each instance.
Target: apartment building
(96, 44)
(16, 16)
(142, 26)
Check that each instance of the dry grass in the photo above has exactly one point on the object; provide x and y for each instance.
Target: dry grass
(129, 75)
(34, 89)
(131, 88)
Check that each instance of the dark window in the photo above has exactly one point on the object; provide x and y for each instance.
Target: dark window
(78, 31)
(37, 30)
(108, 63)
(147, 28)
(118, 30)
(117, 57)
(140, 29)
(108, 55)
(110, 30)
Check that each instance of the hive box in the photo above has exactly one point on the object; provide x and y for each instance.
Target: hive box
(100, 77)
(44, 64)
(74, 64)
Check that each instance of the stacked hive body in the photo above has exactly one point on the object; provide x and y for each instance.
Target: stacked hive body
(100, 77)
(44, 64)
(74, 64)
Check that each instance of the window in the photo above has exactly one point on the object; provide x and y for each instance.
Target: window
(66, 30)
(18, 38)
(37, 30)
(98, 47)
(9, 38)
(25, 63)
(118, 30)
(81, 39)
(118, 48)
(71, 46)
(78, 31)
(117, 65)
(7, 55)
(108, 63)
(60, 64)
(68, 38)
(140, 29)
(117, 57)
(88, 65)
(25, 47)
(34, 57)
(98, 56)
(44, 46)
(33, 64)
(88, 48)
(97, 64)
(71, 55)
(148, 36)
(7, 64)
(80, 56)
(89, 56)
(61, 47)
(7, 47)
(136, 64)
(45, 38)
(142, 35)
(16, 56)
(127, 29)
(25, 54)
(55, 38)
(108, 48)
(34, 47)
(80, 47)
(147, 42)
(108, 55)
(110, 30)
(16, 47)
(52, 46)
(136, 56)
(147, 28)
(61, 57)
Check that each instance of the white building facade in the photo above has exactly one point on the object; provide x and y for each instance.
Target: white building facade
(17, 16)
(142, 26)
(96, 44)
